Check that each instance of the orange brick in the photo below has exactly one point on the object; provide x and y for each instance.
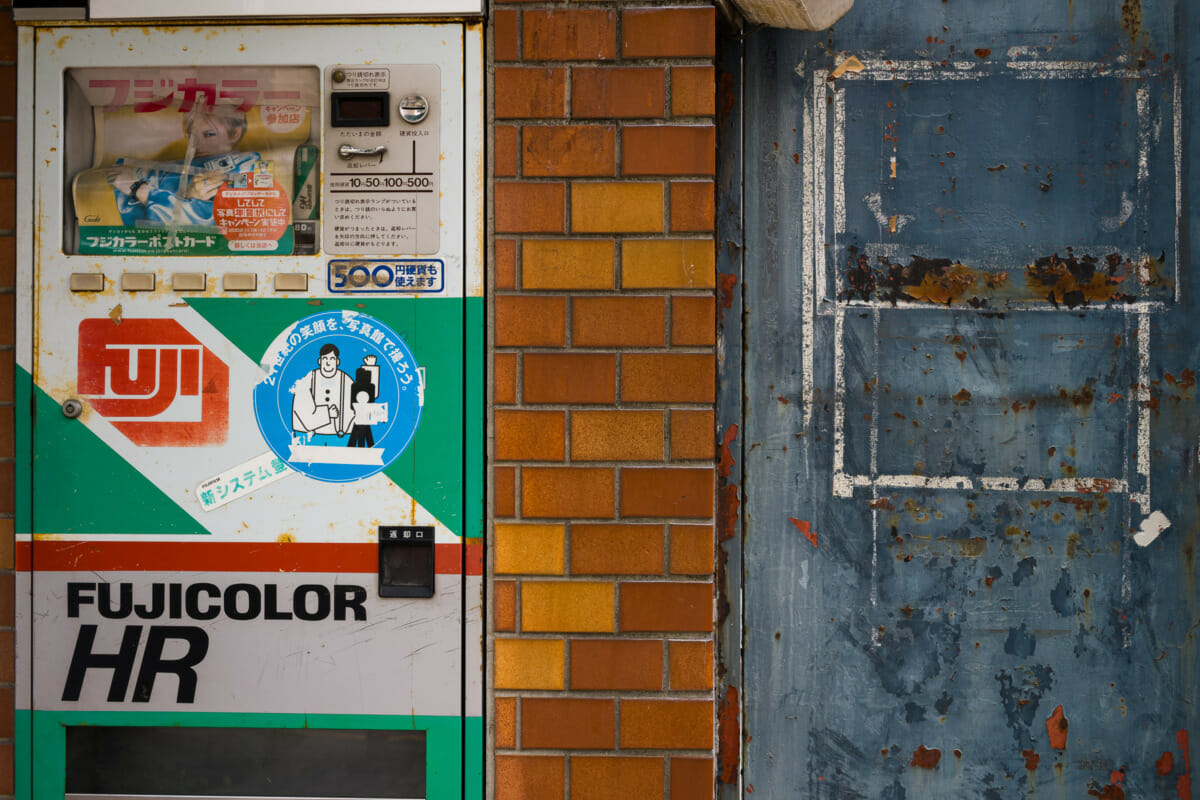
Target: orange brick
(616, 207)
(692, 777)
(629, 665)
(665, 607)
(530, 777)
(8, 36)
(616, 436)
(7, 491)
(504, 605)
(504, 491)
(7, 656)
(692, 206)
(691, 665)
(669, 150)
(504, 254)
(7, 545)
(569, 378)
(8, 91)
(504, 378)
(7, 368)
(693, 91)
(667, 377)
(618, 322)
(7, 726)
(668, 263)
(568, 492)
(607, 777)
(568, 150)
(529, 92)
(506, 150)
(570, 35)
(691, 550)
(693, 320)
(530, 321)
(617, 92)
(668, 32)
(7, 433)
(8, 203)
(568, 723)
(566, 606)
(666, 492)
(7, 599)
(528, 207)
(671, 724)
(506, 41)
(504, 712)
(528, 549)
(567, 264)
(6, 768)
(529, 435)
(693, 435)
(616, 549)
(530, 664)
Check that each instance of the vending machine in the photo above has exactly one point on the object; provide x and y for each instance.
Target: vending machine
(250, 344)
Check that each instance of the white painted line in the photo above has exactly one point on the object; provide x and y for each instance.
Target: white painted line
(839, 393)
(848, 482)
(1143, 411)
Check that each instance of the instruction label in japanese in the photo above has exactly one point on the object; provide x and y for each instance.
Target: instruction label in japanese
(241, 480)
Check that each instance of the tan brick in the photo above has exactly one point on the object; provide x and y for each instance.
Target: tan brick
(693, 321)
(618, 322)
(530, 664)
(528, 207)
(669, 724)
(528, 549)
(616, 435)
(692, 435)
(530, 777)
(691, 665)
(529, 435)
(506, 41)
(666, 492)
(567, 264)
(608, 777)
(567, 607)
(530, 321)
(668, 263)
(504, 257)
(570, 35)
(669, 150)
(504, 378)
(692, 206)
(569, 378)
(665, 607)
(629, 665)
(691, 550)
(616, 549)
(568, 723)
(588, 150)
(668, 32)
(692, 777)
(616, 207)
(506, 150)
(617, 92)
(693, 91)
(529, 92)
(504, 605)
(504, 713)
(667, 377)
(567, 492)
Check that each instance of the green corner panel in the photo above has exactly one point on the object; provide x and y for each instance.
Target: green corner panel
(431, 469)
(119, 499)
(474, 412)
(41, 756)
(24, 452)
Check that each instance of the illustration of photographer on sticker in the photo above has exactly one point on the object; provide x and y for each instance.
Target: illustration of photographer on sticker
(326, 423)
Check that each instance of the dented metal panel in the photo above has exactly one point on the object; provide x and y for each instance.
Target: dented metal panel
(969, 451)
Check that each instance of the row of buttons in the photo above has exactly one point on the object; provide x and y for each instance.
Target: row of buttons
(188, 282)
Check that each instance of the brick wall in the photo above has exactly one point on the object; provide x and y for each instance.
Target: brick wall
(603, 385)
(8, 156)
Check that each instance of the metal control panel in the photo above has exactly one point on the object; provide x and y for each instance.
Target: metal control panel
(382, 167)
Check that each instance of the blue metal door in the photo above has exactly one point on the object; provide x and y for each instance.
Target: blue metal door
(967, 458)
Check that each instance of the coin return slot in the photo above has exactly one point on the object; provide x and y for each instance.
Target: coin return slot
(87, 282)
(240, 282)
(189, 282)
(291, 282)
(137, 281)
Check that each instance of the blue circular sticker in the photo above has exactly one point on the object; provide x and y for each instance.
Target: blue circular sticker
(342, 396)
